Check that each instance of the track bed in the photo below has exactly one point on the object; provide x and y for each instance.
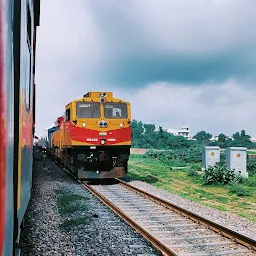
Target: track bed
(173, 230)
(87, 228)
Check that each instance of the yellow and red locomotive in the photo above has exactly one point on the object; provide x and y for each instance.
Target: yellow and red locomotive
(93, 138)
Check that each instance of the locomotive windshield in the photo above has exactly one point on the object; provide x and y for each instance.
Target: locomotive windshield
(115, 110)
(87, 110)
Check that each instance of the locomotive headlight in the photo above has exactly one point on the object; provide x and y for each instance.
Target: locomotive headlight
(121, 125)
(83, 124)
(102, 141)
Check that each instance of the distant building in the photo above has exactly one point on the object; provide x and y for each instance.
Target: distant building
(215, 138)
(253, 139)
(184, 132)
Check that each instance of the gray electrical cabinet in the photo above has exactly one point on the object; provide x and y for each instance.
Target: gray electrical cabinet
(210, 156)
(236, 160)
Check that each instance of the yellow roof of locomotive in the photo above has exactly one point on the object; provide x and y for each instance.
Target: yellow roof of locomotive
(95, 96)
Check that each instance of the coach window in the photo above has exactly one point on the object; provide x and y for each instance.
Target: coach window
(68, 114)
(28, 59)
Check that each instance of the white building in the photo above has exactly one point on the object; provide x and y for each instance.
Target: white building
(184, 131)
(215, 138)
(253, 139)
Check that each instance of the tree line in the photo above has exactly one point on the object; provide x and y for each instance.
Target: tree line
(238, 139)
(146, 136)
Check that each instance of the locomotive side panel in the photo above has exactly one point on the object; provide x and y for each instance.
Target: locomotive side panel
(54, 137)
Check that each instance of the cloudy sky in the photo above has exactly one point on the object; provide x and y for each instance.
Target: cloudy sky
(177, 61)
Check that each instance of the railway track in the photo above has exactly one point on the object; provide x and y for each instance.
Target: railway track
(168, 227)
(171, 229)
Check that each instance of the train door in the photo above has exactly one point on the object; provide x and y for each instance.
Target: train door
(68, 127)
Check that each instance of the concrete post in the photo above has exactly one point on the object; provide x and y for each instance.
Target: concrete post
(236, 158)
(210, 156)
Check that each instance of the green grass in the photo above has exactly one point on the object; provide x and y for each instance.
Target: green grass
(241, 190)
(67, 204)
(69, 209)
(251, 182)
(238, 199)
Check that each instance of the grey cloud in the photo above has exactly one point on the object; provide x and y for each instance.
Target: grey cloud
(226, 107)
(95, 45)
(186, 41)
(177, 25)
(138, 42)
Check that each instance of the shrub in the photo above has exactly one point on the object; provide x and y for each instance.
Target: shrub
(220, 174)
(192, 172)
(166, 156)
(240, 190)
(250, 183)
(197, 167)
(194, 169)
(180, 156)
(251, 166)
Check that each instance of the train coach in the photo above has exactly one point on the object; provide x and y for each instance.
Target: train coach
(93, 137)
(18, 22)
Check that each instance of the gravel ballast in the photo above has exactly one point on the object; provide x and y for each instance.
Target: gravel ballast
(63, 218)
(229, 220)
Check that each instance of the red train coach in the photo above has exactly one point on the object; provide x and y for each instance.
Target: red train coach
(18, 21)
(2, 136)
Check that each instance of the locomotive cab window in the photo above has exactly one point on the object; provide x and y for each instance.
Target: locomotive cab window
(68, 114)
(87, 110)
(115, 110)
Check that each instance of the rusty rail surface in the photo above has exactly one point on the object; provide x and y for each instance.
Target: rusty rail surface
(239, 238)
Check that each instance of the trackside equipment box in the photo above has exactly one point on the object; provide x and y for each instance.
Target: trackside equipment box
(210, 156)
(236, 160)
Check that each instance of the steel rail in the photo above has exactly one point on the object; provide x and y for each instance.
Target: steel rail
(233, 235)
(149, 237)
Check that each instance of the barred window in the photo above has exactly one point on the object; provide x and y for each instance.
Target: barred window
(87, 110)
(115, 110)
